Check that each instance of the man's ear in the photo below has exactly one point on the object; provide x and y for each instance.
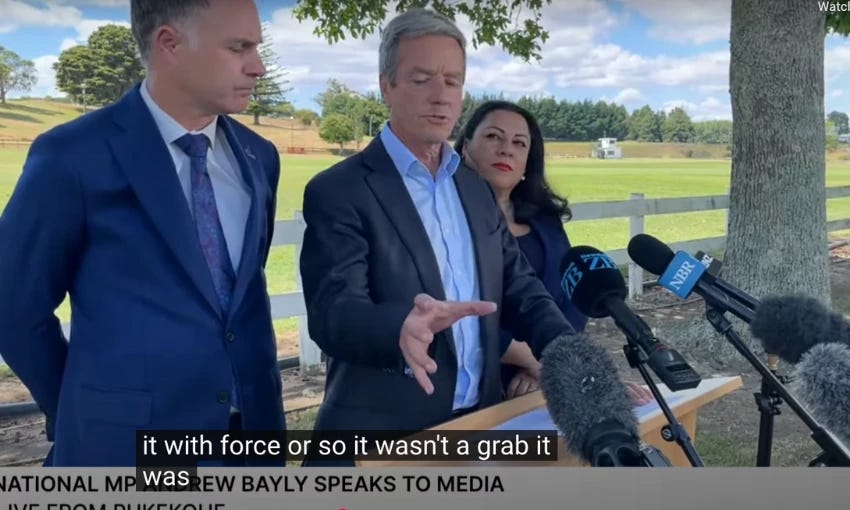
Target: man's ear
(166, 41)
(384, 83)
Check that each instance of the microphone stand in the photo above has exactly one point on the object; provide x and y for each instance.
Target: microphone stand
(674, 431)
(767, 399)
(835, 454)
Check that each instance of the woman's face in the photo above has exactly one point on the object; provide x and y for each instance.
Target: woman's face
(499, 148)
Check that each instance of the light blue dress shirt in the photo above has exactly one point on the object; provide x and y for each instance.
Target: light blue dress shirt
(444, 219)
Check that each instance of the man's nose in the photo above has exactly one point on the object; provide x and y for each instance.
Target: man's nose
(438, 92)
(255, 66)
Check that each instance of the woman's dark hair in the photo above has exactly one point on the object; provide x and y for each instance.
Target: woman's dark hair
(532, 195)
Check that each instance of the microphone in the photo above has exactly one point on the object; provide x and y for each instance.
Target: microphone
(788, 326)
(590, 406)
(802, 331)
(682, 274)
(595, 285)
(712, 265)
(822, 381)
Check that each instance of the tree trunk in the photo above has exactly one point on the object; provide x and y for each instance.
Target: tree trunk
(776, 238)
(256, 118)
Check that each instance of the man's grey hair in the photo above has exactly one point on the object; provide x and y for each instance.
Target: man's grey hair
(147, 15)
(410, 24)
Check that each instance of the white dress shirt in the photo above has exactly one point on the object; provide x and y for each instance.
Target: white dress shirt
(232, 195)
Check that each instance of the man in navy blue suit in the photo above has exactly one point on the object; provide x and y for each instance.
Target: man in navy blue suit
(155, 215)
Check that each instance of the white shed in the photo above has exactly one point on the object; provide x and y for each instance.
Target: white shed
(607, 148)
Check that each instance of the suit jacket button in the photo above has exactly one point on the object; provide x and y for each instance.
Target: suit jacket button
(230, 337)
(223, 397)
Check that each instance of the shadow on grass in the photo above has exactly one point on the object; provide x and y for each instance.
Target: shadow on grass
(28, 109)
(18, 116)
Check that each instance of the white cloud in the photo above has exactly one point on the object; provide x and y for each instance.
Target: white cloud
(68, 43)
(575, 55)
(610, 65)
(17, 13)
(629, 96)
(573, 27)
(837, 93)
(708, 109)
(836, 63)
(311, 61)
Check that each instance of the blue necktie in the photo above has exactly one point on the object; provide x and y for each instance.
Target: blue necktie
(207, 221)
(208, 224)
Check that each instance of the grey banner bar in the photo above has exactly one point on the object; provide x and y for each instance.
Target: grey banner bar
(442, 488)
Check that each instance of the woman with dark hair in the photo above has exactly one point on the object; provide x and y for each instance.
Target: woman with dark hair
(503, 143)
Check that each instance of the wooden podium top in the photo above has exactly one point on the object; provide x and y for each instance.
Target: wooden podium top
(528, 412)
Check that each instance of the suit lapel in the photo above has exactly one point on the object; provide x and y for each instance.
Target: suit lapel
(389, 189)
(250, 167)
(144, 158)
(479, 215)
(480, 212)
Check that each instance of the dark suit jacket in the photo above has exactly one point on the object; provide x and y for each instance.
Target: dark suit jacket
(98, 212)
(555, 246)
(555, 243)
(364, 258)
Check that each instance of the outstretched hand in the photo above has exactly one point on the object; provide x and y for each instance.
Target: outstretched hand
(428, 317)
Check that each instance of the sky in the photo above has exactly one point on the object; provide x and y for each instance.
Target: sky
(663, 53)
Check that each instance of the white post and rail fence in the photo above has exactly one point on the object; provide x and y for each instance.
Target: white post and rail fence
(637, 208)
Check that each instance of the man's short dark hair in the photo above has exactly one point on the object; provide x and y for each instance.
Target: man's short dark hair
(147, 15)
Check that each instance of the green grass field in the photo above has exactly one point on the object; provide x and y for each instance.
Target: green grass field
(579, 179)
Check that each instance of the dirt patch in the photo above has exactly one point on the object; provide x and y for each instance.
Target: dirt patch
(11, 390)
(287, 345)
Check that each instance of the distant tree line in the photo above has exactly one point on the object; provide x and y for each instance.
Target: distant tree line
(582, 121)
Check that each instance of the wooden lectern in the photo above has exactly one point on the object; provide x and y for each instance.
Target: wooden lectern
(685, 405)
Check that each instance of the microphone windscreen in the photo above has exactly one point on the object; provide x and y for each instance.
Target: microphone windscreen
(589, 277)
(821, 380)
(583, 391)
(788, 326)
(650, 253)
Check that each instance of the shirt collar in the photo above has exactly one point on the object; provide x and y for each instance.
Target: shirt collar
(170, 129)
(406, 162)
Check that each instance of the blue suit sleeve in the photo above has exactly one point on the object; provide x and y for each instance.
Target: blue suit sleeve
(41, 235)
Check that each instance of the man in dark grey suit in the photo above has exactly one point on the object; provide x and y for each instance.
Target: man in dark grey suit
(408, 266)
